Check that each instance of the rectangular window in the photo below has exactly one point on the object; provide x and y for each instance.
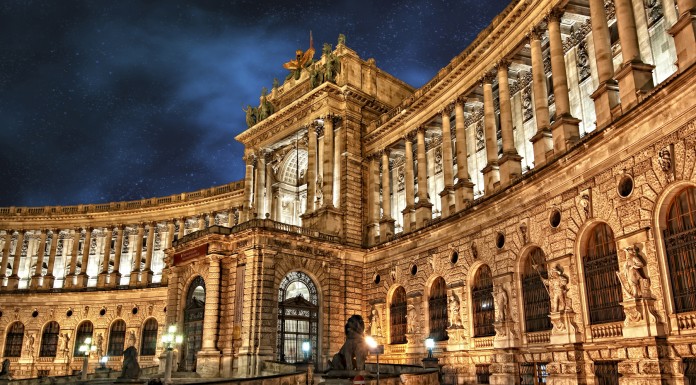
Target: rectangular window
(607, 372)
(483, 374)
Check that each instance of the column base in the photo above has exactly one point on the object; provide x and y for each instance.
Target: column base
(133, 278)
(510, 168)
(684, 32)
(69, 281)
(386, 229)
(12, 282)
(424, 213)
(114, 279)
(146, 277)
(491, 177)
(328, 219)
(565, 132)
(641, 319)
(48, 281)
(101, 279)
(447, 197)
(409, 218)
(564, 331)
(542, 143)
(464, 191)
(372, 234)
(635, 79)
(208, 363)
(82, 280)
(35, 282)
(605, 97)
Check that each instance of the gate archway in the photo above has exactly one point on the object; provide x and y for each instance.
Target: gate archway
(194, 311)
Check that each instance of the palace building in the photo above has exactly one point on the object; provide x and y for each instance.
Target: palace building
(532, 208)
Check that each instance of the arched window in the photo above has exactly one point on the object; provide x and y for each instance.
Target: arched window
(84, 331)
(437, 310)
(193, 323)
(397, 316)
(600, 263)
(680, 247)
(534, 293)
(49, 340)
(148, 342)
(482, 302)
(117, 338)
(298, 308)
(14, 339)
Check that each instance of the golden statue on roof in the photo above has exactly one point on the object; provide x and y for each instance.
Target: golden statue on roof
(302, 60)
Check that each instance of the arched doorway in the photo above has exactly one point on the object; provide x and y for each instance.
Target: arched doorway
(193, 324)
(298, 308)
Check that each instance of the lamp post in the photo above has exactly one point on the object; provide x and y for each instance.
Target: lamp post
(103, 361)
(376, 349)
(306, 346)
(170, 339)
(86, 348)
(430, 344)
(430, 361)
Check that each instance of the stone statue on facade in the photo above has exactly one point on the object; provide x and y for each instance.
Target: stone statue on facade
(251, 115)
(5, 371)
(633, 279)
(131, 338)
(332, 66)
(352, 354)
(556, 284)
(501, 305)
(302, 60)
(100, 345)
(455, 317)
(131, 368)
(266, 108)
(375, 328)
(30, 344)
(341, 39)
(412, 319)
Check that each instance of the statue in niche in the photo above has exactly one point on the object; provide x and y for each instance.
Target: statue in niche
(131, 338)
(100, 345)
(30, 344)
(633, 279)
(352, 354)
(412, 319)
(501, 305)
(556, 285)
(375, 327)
(455, 317)
(251, 115)
(302, 60)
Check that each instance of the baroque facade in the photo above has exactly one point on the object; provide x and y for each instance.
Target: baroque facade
(532, 208)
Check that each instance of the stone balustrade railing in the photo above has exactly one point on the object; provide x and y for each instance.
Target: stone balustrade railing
(607, 330)
(687, 321)
(483, 342)
(539, 337)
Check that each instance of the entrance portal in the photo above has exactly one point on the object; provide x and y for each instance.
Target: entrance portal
(193, 324)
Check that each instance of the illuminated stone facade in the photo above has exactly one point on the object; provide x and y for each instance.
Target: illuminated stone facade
(532, 208)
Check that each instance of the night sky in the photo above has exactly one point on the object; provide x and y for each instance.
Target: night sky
(106, 101)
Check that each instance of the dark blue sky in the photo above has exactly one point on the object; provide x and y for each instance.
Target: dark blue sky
(117, 100)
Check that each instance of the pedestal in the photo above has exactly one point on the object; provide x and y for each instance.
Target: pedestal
(409, 218)
(328, 220)
(605, 97)
(114, 279)
(510, 168)
(82, 279)
(133, 278)
(684, 32)
(635, 79)
(372, 233)
(565, 132)
(447, 198)
(424, 213)
(208, 363)
(431, 362)
(386, 229)
(564, 330)
(146, 278)
(505, 335)
(414, 343)
(541, 143)
(457, 339)
(48, 281)
(12, 282)
(464, 191)
(641, 319)
(101, 279)
(491, 177)
(35, 282)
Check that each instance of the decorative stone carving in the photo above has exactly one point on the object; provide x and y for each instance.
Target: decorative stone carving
(523, 232)
(664, 159)
(585, 203)
(557, 287)
(401, 179)
(653, 8)
(633, 280)
(455, 315)
(527, 103)
(374, 323)
(502, 311)
(412, 319)
(480, 136)
(583, 61)
(438, 160)
(609, 9)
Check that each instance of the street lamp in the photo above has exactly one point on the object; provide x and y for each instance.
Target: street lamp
(170, 339)
(430, 344)
(85, 349)
(305, 349)
(376, 349)
(103, 361)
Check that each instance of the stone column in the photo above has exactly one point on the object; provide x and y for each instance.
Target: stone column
(35, 282)
(373, 200)
(606, 96)
(201, 220)
(491, 173)
(464, 187)
(82, 278)
(327, 188)
(115, 276)
(386, 223)
(69, 280)
(542, 139)
(634, 76)
(137, 256)
(259, 201)
(147, 272)
(511, 162)
(208, 359)
(5, 254)
(249, 159)
(170, 238)
(311, 166)
(13, 280)
(182, 227)
(424, 209)
(49, 278)
(104, 273)
(565, 129)
(447, 197)
(409, 210)
(684, 33)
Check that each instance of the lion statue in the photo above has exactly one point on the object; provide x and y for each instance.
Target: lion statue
(131, 368)
(354, 351)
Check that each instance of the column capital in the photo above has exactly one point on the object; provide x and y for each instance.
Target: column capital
(555, 14)
(503, 64)
(409, 136)
(461, 100)
(487, 78)
(447, 109)
(120, 227)
(421, 129)
(536, 33)
(385, 151)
